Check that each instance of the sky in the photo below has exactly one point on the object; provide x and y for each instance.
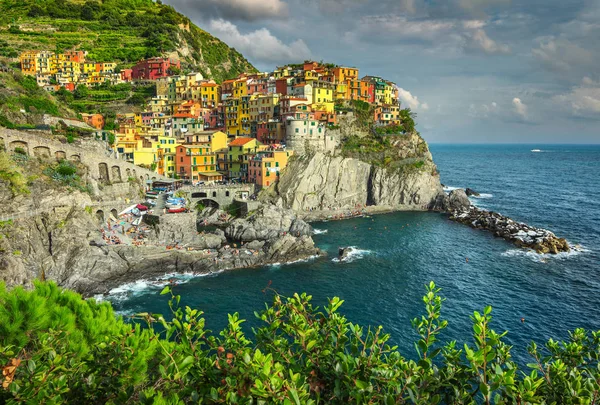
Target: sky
(474, 71)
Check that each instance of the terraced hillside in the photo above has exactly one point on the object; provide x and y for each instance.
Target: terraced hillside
(115, 30)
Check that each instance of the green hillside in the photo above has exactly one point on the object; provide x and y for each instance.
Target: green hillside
(115, 30)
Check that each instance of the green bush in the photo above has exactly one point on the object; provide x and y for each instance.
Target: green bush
(66, 168)
(59, 348)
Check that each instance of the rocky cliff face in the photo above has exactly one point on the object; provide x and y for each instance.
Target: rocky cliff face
(402, 177)
(65, 245)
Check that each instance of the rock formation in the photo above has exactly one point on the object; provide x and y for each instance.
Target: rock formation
(403, 177)
(522, 235)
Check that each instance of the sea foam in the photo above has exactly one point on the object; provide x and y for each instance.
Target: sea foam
(319, 231)
(355, 254)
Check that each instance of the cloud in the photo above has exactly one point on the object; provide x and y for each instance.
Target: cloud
(411, 101)
(584, 100)
(246, 10)
(466, 35)
(478, 7)
(261, 45)
(562, 55)
(483, 110)
(479, 40)
(519, 108)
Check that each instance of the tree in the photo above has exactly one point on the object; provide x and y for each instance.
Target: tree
(136, 99)
(81, 92)
(35, 11)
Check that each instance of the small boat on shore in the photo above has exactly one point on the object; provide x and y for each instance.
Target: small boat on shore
(176, 210)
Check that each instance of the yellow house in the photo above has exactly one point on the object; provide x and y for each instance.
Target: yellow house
(209, 94)
(322, 96)
(199, 160)
(28, 62)
(157, 152)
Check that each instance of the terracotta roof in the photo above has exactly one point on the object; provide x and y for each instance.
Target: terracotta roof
(240, 141)
(183, 115)
(209, 85)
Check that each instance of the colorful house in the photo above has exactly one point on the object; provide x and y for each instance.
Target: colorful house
(154, 68)
(239, 151)
(265, 166)
(198, 161)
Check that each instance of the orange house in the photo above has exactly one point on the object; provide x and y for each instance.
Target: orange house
(93, 120)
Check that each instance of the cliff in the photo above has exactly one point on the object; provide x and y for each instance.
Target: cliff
(398, 174)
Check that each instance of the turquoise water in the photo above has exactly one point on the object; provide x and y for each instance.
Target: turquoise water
(558, 189)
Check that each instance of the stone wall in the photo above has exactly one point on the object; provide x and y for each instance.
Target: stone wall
(102, 168)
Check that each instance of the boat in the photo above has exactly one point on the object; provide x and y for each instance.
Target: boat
(141, 207)
(176, 210)
(535, 150)
(127, 210)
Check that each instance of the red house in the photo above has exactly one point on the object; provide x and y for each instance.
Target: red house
(126, 75)
(154, 68)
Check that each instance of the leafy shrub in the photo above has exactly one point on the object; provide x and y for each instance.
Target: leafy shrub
(66, 168)
(12, 175)
(58, 348)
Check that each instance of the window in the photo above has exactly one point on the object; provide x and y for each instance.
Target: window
(297, 130)
(181, 161)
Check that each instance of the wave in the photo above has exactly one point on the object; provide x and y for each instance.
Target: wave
(308, 259)
(576, 250)
(483, 196)
(537, 150)
(319, 231)
(354, 254)
(450, 188)
(143, 286)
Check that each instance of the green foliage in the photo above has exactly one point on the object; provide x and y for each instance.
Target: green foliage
(136, 99)
(66, 174)
(58, 348)
(389, 130)
(407, 120)
(11, 174)
(118, 30)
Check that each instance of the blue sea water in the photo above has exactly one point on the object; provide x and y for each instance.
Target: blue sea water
(557, 188)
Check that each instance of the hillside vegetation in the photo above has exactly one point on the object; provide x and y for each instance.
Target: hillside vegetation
(56, 348)
(115, 30)
(23, 103)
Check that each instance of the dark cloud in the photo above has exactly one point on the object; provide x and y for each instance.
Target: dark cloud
(245, 10)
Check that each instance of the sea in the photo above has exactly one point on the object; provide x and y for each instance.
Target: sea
(534, 298)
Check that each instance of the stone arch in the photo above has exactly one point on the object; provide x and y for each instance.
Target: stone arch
(60, 155)
(114, 213)
(142, 179)
(100, 215)
(103, 171)
(128, 173)
(41, 151)
(153, 178)
(199, 195)
(115, 174)
(75, 158)
(1, 143)
(134, 173)
(207, 202)
(147, 176)
(21, 145)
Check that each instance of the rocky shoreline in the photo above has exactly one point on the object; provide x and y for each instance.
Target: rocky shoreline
(522, 235)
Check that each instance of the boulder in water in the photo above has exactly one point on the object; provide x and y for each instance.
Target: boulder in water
(458, 200)
(471, 193)
(344, 253)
